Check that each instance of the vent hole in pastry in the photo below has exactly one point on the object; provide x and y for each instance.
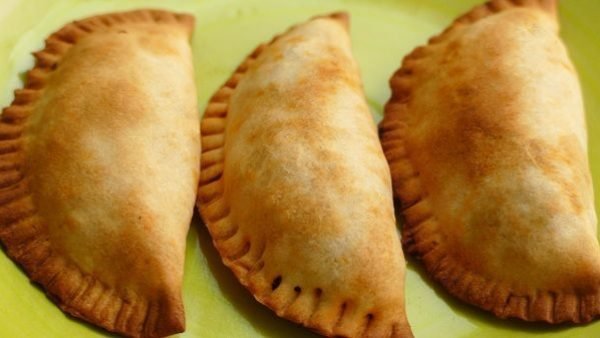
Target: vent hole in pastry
(297, 289)
(276, 283)
(369, 318)
(318, 292)
(341, 314)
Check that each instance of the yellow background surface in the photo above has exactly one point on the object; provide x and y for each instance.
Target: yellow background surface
(226, 30)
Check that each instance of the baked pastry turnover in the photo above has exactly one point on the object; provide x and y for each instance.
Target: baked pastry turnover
(98, 170)
(295, 189)
(485, 136)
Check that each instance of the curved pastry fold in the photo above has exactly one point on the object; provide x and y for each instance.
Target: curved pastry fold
(98, 169)
(485, 136)
(295, 189)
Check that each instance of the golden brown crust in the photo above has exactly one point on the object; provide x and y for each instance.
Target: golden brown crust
(24, 233)
(428, 235)
(246, 254)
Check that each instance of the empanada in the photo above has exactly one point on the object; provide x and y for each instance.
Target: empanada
(99, 166)
(295, 189)
(485, 136)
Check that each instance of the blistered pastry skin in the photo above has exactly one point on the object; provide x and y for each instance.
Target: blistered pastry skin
(295, 190)
(99, 170)
(486, 140)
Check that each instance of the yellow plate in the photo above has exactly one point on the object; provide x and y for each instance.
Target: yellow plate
(382, 33)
